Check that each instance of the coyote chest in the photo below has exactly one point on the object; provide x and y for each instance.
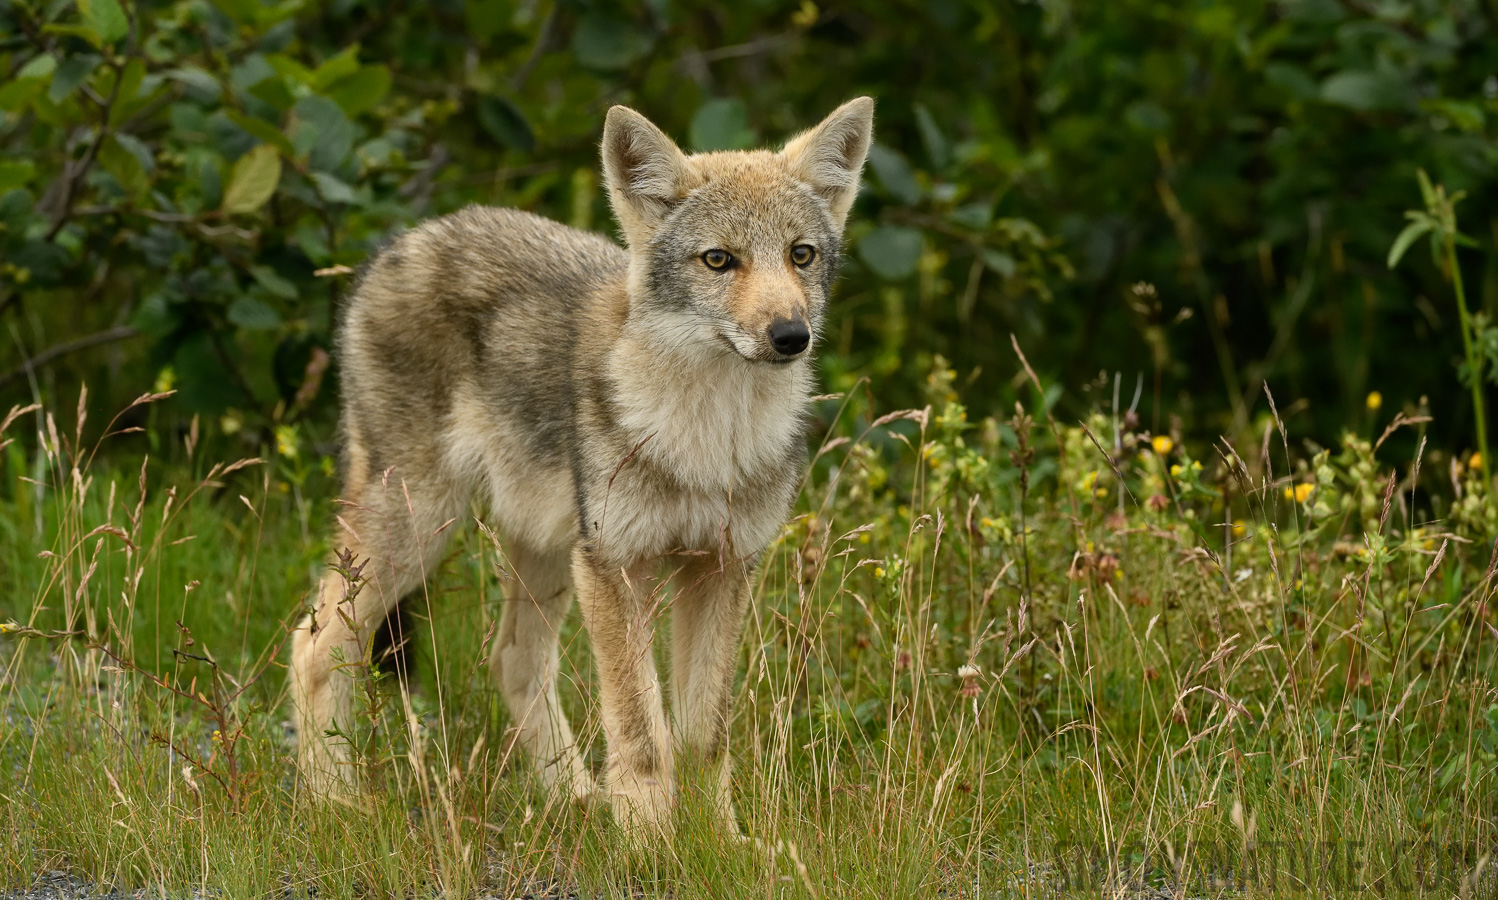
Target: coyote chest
(712, 448)
(710, 424)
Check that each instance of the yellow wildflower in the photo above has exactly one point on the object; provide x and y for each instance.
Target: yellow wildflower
(1375, 400)
(166, 380)
(1175, 470)
(1238, 528)
(879, 571)
(8, 627)
(1300, 492)
(1163, 444)
(1475, 461)
(806, 16)
(286, 441)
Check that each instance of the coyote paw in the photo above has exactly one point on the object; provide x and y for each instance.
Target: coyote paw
(641, 805)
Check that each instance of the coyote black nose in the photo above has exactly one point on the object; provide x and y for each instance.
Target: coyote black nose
(789, 336)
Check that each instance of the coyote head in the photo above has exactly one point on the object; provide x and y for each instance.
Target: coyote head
(736, 250)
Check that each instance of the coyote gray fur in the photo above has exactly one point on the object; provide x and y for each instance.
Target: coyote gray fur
(623, 412)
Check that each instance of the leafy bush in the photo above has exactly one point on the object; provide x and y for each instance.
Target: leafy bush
(177, 174)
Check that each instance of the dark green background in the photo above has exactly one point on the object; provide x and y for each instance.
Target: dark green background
(1034, 160)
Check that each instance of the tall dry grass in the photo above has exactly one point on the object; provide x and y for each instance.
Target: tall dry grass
(986, 658)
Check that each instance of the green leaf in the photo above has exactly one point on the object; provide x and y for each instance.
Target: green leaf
(1407, 237)
(41, 67)
(20, 92)
(334, 69)
(155, 316)
(1291, 79)
(485, 18)
(244, 12)
(28, 84)
(273, 90)
(253, 180)
(1465, 115)
(505, 123)
(204, 170)
(935, 142)
(721, 125)
(127, 95)
(263, 130)
(140, 150)
(116, 159)
(16, 173)
(72, 72)
(81, 32)
(1147, 116)
(105, 19)
(267, 16)
(332, 189)
(254, 314)
(973, 216)
(1365, 90)
(198, 81)
(1427, 190)
(895, 174)
(361, 91)
(892, 251)
(267, 278)
(289, 69)
(320, 130)
(608, 43)
(999, 262)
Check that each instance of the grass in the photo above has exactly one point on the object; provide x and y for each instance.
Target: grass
(987, 659)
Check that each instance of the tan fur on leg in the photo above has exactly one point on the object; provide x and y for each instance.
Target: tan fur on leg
(394, 543)
(706, 622)
(621, 624)
(525, 662)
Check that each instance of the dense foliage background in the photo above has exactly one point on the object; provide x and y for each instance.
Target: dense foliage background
(1197, 196)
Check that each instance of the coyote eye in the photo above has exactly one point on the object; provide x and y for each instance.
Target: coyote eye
(717, 259)
(803, 254)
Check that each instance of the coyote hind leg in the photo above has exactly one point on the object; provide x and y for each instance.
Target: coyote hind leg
(526, 663)
(395, 544)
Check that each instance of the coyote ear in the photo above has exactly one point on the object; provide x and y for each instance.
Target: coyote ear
(830, 156)
(645, 171)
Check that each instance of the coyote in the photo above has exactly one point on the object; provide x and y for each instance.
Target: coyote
(623, 412)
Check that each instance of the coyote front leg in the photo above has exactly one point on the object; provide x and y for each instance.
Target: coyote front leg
(707, 619)
(525, 661)
(620, 619)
